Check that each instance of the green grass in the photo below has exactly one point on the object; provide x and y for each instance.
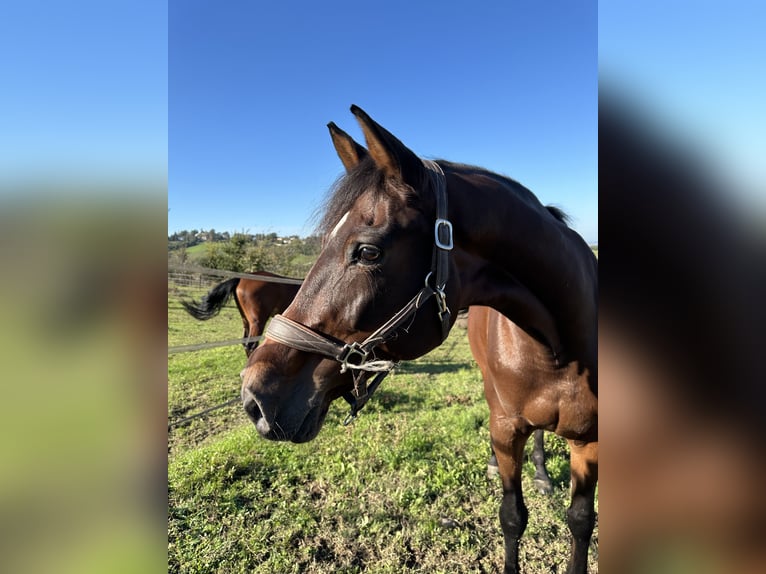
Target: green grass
(401, 489)
(197, 251)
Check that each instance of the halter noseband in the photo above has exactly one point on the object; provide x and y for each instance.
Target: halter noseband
(360, 357)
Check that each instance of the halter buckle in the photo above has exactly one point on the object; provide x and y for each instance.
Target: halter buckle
(439, 225)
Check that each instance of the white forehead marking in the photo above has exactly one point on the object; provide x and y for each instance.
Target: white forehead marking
(338, 225)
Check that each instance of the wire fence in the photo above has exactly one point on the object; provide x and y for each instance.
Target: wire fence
(212, 345)
(186, 281)
(190, 275)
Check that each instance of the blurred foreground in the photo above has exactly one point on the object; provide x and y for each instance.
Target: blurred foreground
(681, 338)
(83, 349)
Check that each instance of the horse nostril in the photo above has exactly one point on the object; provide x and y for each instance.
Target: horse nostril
(250, 404)
(253, 410)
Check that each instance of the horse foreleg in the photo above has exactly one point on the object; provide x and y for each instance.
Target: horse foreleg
(542, 481)
(513, 512)
(581, 515)
(248, 346)
(492, 470)
(252, 330)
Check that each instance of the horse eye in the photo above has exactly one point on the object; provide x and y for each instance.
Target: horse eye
(369, 254)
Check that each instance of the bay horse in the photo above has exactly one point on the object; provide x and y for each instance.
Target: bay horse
(405, 241)
(256, 300)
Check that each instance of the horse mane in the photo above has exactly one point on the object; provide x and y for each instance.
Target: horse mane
(559, 214)
(366, 176)
(517, 187)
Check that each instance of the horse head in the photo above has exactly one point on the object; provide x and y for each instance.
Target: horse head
(379, 292)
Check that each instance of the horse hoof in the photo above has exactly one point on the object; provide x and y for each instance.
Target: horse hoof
(492, 471)
(543, 486)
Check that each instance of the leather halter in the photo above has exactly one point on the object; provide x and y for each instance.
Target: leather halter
(360, 358)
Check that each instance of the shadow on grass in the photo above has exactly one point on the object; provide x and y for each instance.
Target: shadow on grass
(434, 368)
(386, 400)
(391, 401)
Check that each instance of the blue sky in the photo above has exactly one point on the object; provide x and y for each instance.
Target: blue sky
(511, 86)
(229, 100)
(84, 92)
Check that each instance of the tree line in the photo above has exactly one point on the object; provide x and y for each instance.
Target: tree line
(243, 252)
(190, 238)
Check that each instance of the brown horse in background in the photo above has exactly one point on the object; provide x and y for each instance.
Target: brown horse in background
(256, 300)
(405, 241)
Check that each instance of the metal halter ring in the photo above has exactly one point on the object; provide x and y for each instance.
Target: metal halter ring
(349, 351)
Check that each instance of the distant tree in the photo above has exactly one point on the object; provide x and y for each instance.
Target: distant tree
(261, 258)
(245, 252)
(230, 255)
(215, 258)
(311, 245)
(180, 255)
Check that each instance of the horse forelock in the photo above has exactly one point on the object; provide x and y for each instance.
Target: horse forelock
(345, 191)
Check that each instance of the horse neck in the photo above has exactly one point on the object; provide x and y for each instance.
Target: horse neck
(513, 255)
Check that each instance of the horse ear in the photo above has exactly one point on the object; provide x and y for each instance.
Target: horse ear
(388, 153)
(349, 152)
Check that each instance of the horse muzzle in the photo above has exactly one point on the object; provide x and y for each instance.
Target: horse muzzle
(280, 409)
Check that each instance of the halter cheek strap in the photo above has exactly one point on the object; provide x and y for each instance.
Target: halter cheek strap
(360, 357)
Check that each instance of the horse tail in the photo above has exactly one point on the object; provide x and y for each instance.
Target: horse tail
(212, 303)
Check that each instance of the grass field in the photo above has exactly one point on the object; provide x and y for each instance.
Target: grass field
(196, 251)
(403, 488)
